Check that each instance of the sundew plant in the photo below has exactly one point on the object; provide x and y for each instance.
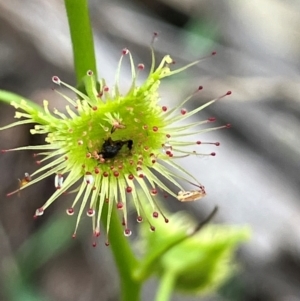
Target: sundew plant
(117, 150)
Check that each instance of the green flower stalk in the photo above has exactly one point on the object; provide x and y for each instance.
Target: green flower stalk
(108, 145)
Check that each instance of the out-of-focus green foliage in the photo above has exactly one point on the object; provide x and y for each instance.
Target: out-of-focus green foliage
(201, 262)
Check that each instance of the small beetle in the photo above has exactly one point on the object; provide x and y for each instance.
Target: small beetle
(23, 182)
(111, 148)
(192, 195)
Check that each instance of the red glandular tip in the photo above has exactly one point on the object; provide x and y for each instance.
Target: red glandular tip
(183, 111)
(211, 119)
(154, 37)
(70, 211)
(39, 212)
(213, 154)
(127, 232)
(228, 125)
(90, 212)
(208, 55)
(56, 80)
(214, 143)
(119, 205)
(155, 214)
(153, 191)
(89, 179)
(3, 151)
(224, 95)
(141, 66)
(125, 51)
(130, 177)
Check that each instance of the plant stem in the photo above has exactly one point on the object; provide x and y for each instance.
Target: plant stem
(124, 258)
(166, 286)
(82, 38)
(84, 60)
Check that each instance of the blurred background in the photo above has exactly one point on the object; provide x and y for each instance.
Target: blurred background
(254, 178)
